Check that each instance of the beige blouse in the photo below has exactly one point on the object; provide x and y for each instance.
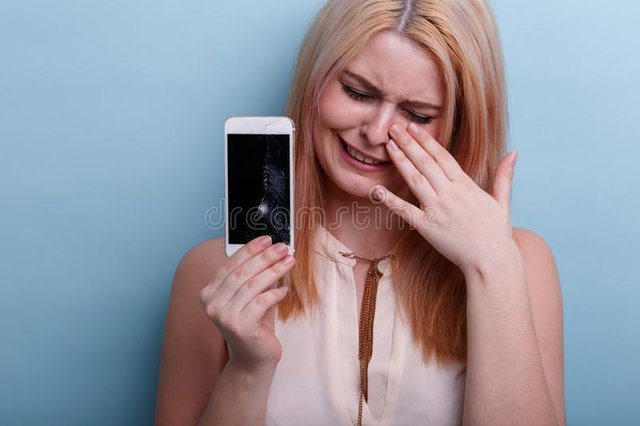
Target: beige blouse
(317, 381)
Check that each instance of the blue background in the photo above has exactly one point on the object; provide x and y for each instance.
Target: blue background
(111, 168)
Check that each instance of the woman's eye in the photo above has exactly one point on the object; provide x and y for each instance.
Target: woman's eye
(420, 119)
(354, 94)
(361, 97)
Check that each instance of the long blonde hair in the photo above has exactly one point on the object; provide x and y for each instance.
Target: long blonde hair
(461, 36)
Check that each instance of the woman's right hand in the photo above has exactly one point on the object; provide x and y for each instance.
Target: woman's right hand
(241, 305)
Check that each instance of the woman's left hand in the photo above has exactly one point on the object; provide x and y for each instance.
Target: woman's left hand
(458, 218)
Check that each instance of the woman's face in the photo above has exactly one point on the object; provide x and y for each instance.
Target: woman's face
(390, 81)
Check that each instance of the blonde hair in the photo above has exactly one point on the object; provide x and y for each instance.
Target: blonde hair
(461, 37)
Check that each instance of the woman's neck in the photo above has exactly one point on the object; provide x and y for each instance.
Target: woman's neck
(368, 228)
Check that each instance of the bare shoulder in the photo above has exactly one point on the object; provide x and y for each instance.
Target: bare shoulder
(539, 261)
(543, 283)
(194, 352)
(200, 263)
(541, 272)
(535, 249)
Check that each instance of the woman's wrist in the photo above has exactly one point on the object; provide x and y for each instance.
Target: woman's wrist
(251, 374)
(507, 260)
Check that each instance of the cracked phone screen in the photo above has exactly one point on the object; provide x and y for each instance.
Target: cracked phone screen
(258, 182)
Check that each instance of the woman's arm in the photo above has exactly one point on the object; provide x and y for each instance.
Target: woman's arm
(197, 384)
(514, 305)
(239, 398)
(515, 340)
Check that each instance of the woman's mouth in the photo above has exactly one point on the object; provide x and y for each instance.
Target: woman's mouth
(361, 161)
(355, 154)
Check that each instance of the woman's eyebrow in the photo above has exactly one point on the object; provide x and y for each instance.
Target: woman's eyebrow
(372, 88)
(366, 83)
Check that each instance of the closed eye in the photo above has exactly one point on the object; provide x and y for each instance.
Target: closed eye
(354, 94)
(420, 119)
(362, 97)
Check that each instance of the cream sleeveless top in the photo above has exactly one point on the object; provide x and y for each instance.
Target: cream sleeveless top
(317, 382)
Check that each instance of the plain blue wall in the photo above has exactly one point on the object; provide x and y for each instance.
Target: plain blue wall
(111, 118)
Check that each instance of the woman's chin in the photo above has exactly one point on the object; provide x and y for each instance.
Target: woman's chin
(358, 189)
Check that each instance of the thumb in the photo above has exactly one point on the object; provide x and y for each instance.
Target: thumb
(504, 179)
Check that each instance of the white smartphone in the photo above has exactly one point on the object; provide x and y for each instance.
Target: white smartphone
(259, 180)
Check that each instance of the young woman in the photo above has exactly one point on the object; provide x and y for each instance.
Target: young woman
(411, 299)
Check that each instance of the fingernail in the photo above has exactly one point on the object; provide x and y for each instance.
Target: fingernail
(512, 159)
(283, 290)
(414, 127)
(392, 145)
(280, 248)
(287, 260)
(395, 129)
(264, 241)
(378, 193)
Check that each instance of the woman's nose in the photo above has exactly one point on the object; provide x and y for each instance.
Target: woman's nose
(377, 124)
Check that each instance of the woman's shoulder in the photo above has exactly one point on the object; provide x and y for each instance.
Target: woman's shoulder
(214, 246)
(201, 262)
(541, 274)
(537, 256)
(530, 242)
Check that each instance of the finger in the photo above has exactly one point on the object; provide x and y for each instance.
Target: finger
(264, 303)
(420, 158)
(504, 180)
(252, 248)
(407, 211)
(419, 185)
(249, 269)
(259, 284)
(439, 153)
